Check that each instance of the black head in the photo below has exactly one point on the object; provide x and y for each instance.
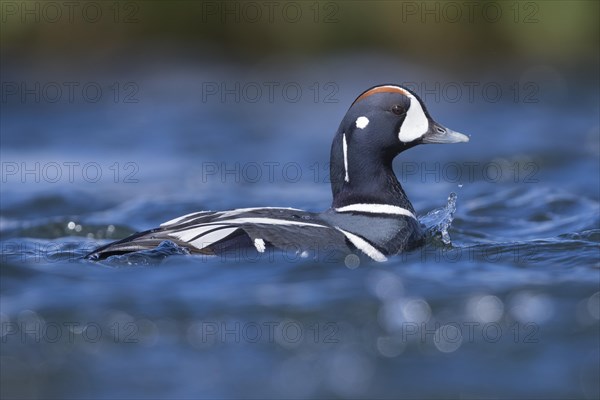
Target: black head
(381, 123)
(393, 118)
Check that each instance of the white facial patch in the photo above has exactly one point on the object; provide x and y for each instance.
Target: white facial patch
(345, 150)
(362, 122)
(415, 123)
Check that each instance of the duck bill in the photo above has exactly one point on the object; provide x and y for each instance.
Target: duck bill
(440, 134)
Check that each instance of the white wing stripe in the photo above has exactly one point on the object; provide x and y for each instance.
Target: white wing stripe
(191, 233)
(198, 230)
(237, 211)
(212, 237)
(377, 209)
(269, 221)
(364, 246)
(222, 214)
(178, 219)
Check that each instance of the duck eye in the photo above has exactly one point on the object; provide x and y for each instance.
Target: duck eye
(398, 109)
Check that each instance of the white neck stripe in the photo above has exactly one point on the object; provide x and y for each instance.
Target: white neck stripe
(364, 246)
(345, 150)
(377, 209)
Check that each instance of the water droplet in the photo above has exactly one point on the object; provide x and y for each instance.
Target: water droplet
(352, 261)
(531, 307)
(485, 309)
(385, 285)
(417, 311)
(390, 346)
(447, 338)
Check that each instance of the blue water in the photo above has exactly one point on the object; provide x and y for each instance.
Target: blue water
(503, 301)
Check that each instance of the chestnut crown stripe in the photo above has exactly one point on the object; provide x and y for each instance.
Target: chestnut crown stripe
(382, 89)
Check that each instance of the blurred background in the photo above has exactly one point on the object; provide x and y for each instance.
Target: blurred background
(156, 89)
(117, 116)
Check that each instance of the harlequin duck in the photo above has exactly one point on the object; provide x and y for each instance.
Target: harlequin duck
(370, 214)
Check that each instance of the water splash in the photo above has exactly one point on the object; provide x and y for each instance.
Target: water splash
(147, 257)
(438, 220)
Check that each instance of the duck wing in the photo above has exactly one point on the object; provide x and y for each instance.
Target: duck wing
(215, 233)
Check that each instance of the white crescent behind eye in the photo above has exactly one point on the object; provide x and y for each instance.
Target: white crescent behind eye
(415, 123)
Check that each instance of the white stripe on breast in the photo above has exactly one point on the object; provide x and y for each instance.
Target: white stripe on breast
(364, 246)
(376, 209)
